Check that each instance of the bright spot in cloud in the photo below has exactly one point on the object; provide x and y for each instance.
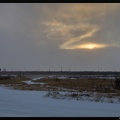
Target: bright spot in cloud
(90, 46)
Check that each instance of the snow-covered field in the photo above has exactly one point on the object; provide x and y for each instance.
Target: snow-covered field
(33, 103)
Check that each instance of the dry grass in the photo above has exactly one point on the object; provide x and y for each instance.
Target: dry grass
(91, 84)
(18, 83)
(101, 86)
(16, 80)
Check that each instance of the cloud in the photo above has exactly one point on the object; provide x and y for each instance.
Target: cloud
(77, 24)
(56, 35)
(89, 32)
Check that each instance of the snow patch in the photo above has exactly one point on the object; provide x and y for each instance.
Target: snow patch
(30, 82)
(19, 103)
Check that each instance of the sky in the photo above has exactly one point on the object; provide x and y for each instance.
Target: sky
(55, 36)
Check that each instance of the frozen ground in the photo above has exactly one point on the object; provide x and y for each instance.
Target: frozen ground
(33, 103)
(30, 82)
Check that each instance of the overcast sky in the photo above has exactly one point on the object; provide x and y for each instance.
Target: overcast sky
(51, 36)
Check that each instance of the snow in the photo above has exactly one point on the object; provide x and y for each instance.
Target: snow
(62, 77)
(37, 78)
(82, 96)
(74, 77)
(30, 82)
(20, 103)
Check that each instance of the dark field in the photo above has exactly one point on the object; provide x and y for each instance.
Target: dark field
(83, 84)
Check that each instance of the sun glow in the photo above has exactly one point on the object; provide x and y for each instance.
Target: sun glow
(91, 46)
